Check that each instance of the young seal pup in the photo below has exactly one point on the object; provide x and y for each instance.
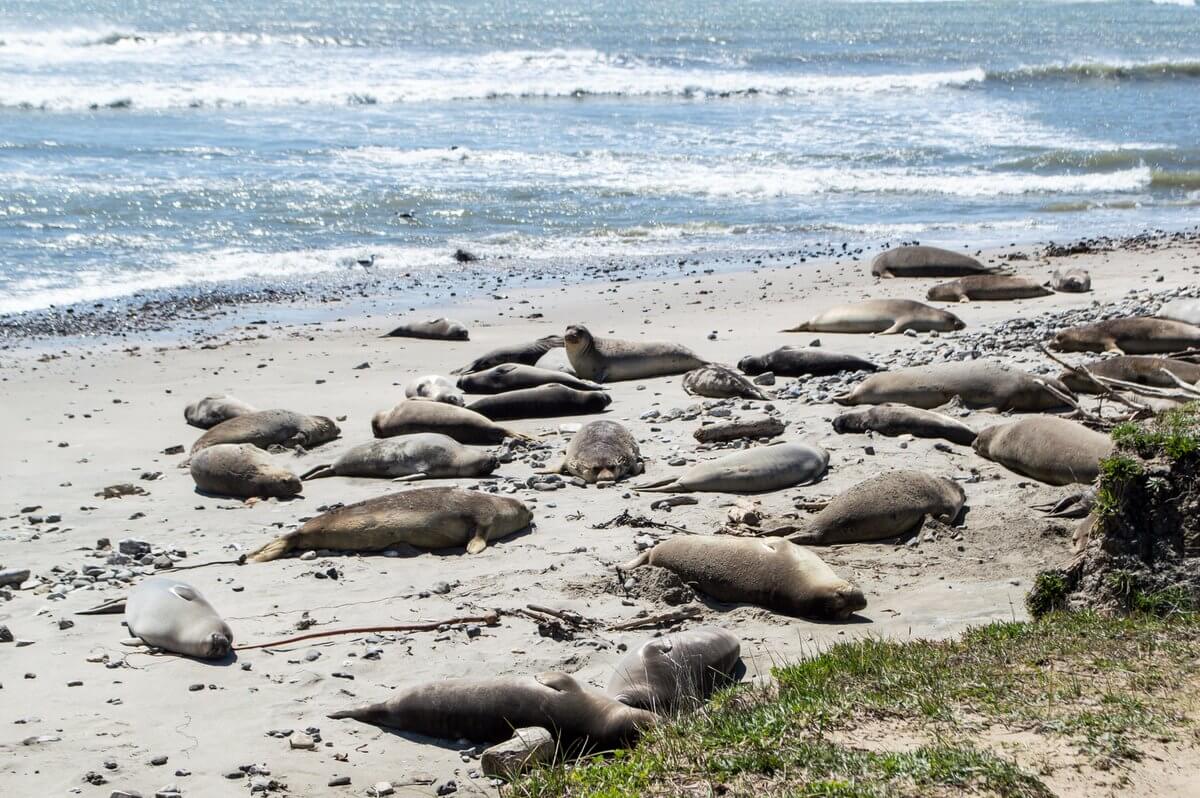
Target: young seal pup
(242, 470)
(679, 670)
(435, 389)
(613, 359)
(1046, 448)
(758, 470)
(526, 354)
(883, 316)
(802, 361)
(885, 506)
(1138, 335)
(266, 428)
(174, 616)
(893, 420)
(215, 408)
(423, 455)
(439, 329)
(720, 382)
(602, 451)
(923, 261)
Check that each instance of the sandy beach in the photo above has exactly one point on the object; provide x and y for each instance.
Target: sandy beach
(82, 713)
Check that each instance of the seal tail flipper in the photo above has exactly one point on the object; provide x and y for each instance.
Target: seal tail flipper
(667, 485)
(318, 472)
(636, 562)
(805, 537)
(521, 436)
(844, 399)
(360, 712)
(110, 607)
(799, 328)
(411, 477)
(272, 551)
(558, 469)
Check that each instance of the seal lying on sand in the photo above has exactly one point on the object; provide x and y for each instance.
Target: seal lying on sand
(893, 420)
(925, 262)
(1139, 369)
(434, 388)
(602, 451)
(1047, 448)
(417, 415)
(1184, 310)
(885, 506)
(514, 377)
(212, 410)
(544, 401)
(1138, 335)
(174, 616)
(800, 361)
(676, 670)
(612, 359)
(242, 470)
(1072, 281)
(987, 288)
(426, 518)
(759, 470)
(419, 456)
(439, 329)
(775, 574)
(556, 360)
(979, 383)
(885, 316)
(526, 354)
(265, 428)
(488, 709)
(719, 382)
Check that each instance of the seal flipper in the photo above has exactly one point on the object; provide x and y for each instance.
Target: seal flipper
(110, 607)
(478, 542)
(319, 472)
(899, 326)
(662, 486)
(411, 477)
(271, 551)
(802, 327)
(636, 562)
(561, 468)
(557, 680)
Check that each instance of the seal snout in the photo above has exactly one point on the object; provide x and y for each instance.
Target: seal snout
(219, 645)
(750, 365)
(575, 335)
(850, 600)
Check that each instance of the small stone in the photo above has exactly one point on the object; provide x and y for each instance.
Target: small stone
(13, 577)
(338, 781)
(382, 788)
(308, 556)
(6, 636)
(158, 760)
(447, 787)
(65, 623)
(234, 774)
(124, 794)
(528, 747)
(766, 378)
(302, 741)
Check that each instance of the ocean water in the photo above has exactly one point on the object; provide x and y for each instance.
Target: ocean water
(179, 146)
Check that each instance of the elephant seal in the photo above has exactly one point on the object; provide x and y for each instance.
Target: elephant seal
(893, 420)
(174, 616)
(242, 470)
(514, 377)
(921, 261)
(884, 506)
(1139, 369)
(987, 288)
(979, 383)
(720, 382)
(602, 451)
(265, 428)
(544, 401)
(1137, 335)
(556, 360)
(1053, 450)
(461, 424)
(759, 470)
(425, 518)
(775, 574)
(1072, 281)
(1184, 310)
(435, 389)
(215, 408)
(679, 670)
(439, 329)
(419, 456)
(802, 361)
(487, 710)
(884, 316)
(526, 354)
(612, 359)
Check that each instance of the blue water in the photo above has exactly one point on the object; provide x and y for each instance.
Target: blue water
(165, 145)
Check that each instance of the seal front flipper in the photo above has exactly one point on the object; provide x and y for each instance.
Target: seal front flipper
(557, 680)
(900, 326)
(667, 485)
(478, 541)
(411, 477)
(561, 468)
(318, 472)
(636, 562)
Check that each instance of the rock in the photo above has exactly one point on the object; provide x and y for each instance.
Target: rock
(447, 787)
(338, 781)
(382, 788)
(158, 760)
(6, 636)
(124, 794)
(123, 489)
(766, 378)
(302, 741)
(529, 746)
(133, 547)
(13, 577)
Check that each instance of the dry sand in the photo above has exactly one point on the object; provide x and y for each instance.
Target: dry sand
(80, 416)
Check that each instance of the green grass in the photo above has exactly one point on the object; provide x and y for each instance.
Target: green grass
(1174, 433)
(1101, 685)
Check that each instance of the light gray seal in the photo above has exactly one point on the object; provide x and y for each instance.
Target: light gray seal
(174, 616)
(1138, 369)
(514, 377)
(489, 709)
(1072, 281)
(802, 361)
(1184, 310)
(884, 316)
(526, 354)
(771, 573)
(720, 382)
(439, 329)
(893, 420)
(266, 428)
(758, 470)
(978, 383)
(556, 360)
(424, 518)
(545, 401)
(1050, 449)
(215, 408)
(242, 470)
(463, 425)
(987, 288)
(424, 455)
(922, 261)
(1137, 335)
(676, 671)
(602, 451)
(885, 506)
(613, 359)
(434, 388)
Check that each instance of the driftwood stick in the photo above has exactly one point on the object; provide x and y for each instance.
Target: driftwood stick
(681, 614)
(566, 616)
(1148, 390)
(767, 427)
(1068, 400)
(490, 618)
(1104, 389)
(1185, 387)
